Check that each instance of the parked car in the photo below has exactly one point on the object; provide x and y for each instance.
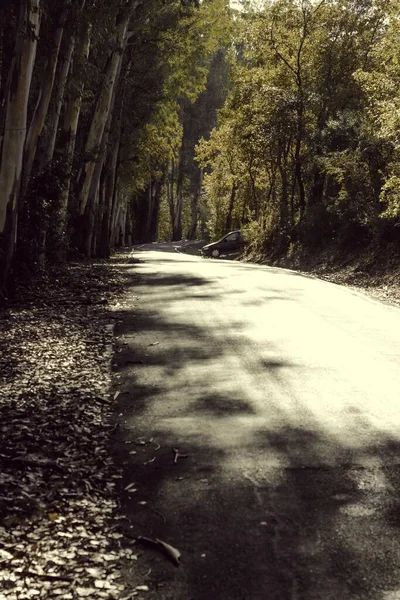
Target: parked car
(231, 242)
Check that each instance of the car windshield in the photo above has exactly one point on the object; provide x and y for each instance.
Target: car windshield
(233, 235)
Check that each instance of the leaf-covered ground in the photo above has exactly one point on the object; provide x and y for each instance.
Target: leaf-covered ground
(59, 535)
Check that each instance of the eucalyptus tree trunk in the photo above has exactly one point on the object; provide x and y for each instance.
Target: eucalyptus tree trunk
(119, 219)
(102, 110)
(71, 116)
(42, 106)
(68, 49)
(120, 229)
(115, 199)
(48, 139)
(66, 137)
(109, 181)
(195, 207)
(156, 203)
(12, 148)
(91, 214)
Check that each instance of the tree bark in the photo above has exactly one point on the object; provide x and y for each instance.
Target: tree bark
(228, 223)
(110, 171)
(298, 158)
(103, 106)
(195, 207)
(67, 136)
(47, 144)
(153, 225)
(170, 190)
(92, 206)
(42, 106)
(12, 148)
(115, 197)
(177, 221)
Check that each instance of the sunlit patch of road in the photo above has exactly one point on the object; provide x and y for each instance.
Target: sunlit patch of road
(317, 352)
(285, 388)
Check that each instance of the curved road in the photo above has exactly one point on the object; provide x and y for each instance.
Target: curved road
(284, 392)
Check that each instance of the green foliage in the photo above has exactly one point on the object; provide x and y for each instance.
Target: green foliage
(297, 138)
(164, 146)
(390, 195)
(381, 85)
(290, 110)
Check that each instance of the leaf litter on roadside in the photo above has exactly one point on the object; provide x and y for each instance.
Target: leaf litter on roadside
(57, 480)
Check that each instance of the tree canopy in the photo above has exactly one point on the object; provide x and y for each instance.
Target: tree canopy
(136, 121)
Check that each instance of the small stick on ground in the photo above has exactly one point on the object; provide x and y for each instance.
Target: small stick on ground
(178, 455)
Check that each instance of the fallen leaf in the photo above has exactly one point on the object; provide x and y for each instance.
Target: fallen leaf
(4, 555)
(85, 592)
(94, 572)
(129, 486)
(53, 516)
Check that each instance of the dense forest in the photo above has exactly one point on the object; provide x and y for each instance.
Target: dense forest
(306, 152)
(132, 121)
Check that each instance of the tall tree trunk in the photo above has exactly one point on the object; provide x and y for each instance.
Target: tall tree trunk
(109, 180)
(153, 228)
(12, 148)
(115, 195)
(195, 207)
(128, 228)
(149, 193)
(119, 222)
(103, 105)
(67, 51)
(170, 190)
(283, 203)
(48, 139)
(117, 200)
(91, 211)
(42, 106)
(298, 158)
(177, 222)
(67, 137)
(228, 223)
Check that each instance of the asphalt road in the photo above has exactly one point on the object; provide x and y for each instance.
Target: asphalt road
(284, 392)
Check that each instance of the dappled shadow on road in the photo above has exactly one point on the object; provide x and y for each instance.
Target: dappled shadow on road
(175, 280)
(218, 405)
(271, 500)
